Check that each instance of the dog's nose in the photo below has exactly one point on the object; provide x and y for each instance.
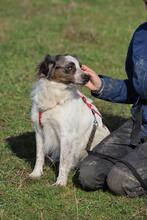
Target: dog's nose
(85, 78)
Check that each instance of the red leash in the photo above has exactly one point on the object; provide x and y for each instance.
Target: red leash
(90, 106)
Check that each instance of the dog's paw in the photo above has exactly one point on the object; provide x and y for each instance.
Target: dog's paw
(60, 183)
(35, 175)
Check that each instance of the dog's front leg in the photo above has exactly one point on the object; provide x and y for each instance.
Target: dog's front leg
(38, 169)
(66, 162)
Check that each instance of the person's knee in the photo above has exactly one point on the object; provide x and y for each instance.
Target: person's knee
(87, 178)
(115, 181)
(121, 181)
(92, 174)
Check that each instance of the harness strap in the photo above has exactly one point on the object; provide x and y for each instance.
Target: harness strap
(90, 105)
(131, 168)
(95, 123)
(39, 119)
(91, 137)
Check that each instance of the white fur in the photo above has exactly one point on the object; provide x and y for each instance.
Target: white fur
(67, 124)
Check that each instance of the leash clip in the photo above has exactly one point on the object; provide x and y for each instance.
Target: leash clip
(95, 122)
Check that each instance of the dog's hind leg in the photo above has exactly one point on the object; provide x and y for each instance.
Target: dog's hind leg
(66, 162)
(38, 169)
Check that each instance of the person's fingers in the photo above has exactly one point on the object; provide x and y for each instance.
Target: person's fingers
(87, 70)
(90, 85)
(94, 81)
(83, 67)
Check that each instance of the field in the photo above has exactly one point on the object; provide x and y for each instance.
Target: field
(98, 32)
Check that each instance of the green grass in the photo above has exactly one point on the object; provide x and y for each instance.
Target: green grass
(98, 32)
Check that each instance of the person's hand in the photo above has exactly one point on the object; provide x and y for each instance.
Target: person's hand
(95, 82)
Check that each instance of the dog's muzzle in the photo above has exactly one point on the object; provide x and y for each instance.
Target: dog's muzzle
(85, 78)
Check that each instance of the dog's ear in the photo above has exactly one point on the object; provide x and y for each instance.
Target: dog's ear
(46, 66)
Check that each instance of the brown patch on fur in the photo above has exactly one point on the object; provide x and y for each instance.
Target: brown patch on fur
(63, 71)
(61, 75)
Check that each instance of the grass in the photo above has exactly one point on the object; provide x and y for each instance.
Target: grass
(98, 32)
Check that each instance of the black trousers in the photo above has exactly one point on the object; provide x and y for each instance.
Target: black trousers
(96, 173)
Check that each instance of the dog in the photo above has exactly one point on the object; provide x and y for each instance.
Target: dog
(62, 121)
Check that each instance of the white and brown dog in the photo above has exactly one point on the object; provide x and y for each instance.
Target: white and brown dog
(62, 121)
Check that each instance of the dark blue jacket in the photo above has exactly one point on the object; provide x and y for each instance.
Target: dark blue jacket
(134, 87)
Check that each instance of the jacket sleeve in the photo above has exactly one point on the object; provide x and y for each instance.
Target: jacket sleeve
(139, 60)
(119, 91)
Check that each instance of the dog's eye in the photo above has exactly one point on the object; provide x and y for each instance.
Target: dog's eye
(70, 68)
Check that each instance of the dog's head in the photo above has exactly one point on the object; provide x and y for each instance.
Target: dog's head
(62, 68)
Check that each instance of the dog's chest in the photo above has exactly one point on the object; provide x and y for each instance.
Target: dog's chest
(58, 117)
